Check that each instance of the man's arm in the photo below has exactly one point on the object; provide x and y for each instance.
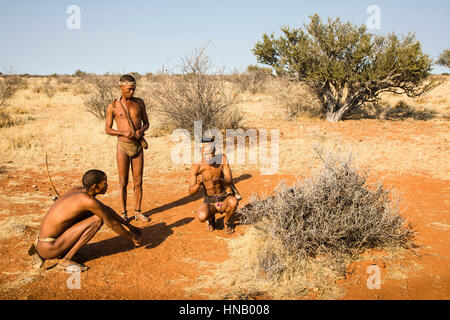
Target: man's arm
(109, 123)
(227, 176)
(145, 121)
(195, 181)
(112, 220)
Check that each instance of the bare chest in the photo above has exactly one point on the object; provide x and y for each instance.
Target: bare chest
(211, 172)
(134, 111)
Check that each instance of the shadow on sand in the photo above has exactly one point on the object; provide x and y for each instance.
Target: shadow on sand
(188, 199)
(152, 235)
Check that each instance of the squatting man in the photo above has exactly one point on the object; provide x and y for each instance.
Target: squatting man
(74, 219)
(214, 174)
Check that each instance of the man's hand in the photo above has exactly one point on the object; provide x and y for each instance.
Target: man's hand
(139, 134)
(129, 134)
(137, 237)
(199, 179)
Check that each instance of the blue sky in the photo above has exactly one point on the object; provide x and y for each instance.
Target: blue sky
(142, 36)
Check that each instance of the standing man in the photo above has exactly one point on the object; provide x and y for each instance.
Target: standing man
(132, 121)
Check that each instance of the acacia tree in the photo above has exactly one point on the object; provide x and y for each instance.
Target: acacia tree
(444, 58)
(345, 65)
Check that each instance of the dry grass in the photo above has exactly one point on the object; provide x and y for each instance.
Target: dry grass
(62, 126)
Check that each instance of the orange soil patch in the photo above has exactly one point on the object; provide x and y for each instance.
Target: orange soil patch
(178, 249)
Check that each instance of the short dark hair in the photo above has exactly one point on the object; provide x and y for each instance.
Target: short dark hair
(92, 177)
(127, 78)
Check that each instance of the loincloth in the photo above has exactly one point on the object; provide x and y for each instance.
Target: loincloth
(132, 149)
(38, 261)
(216, 201)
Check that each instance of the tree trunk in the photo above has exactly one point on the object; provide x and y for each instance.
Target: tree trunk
(335, 116)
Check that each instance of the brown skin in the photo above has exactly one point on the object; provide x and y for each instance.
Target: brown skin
(215, 178)
(74, 219)
(139, 117)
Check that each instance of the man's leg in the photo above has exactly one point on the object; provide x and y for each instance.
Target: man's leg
(137, 169)
(71, 241)
(229, 207)
(123, 166)
(207, 212)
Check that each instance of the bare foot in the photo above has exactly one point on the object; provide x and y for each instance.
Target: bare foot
(228, 227)
(211, 224)
(71, 266)
(140, 217)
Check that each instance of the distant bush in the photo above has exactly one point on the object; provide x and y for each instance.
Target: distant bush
(254, 69)
(444, 58)
(50, 88)
(403, 111)
(79, 73)
(253, 80)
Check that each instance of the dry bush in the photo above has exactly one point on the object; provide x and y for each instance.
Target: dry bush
(197, 93)
(64, 82)
(80, 86)
(9, 85)
(101, 95)
(298, 100)
(304, 236)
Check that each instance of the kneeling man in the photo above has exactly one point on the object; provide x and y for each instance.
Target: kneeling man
(215, 176)
(74, 219)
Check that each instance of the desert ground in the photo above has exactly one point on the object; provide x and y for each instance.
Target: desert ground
(179, 258)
